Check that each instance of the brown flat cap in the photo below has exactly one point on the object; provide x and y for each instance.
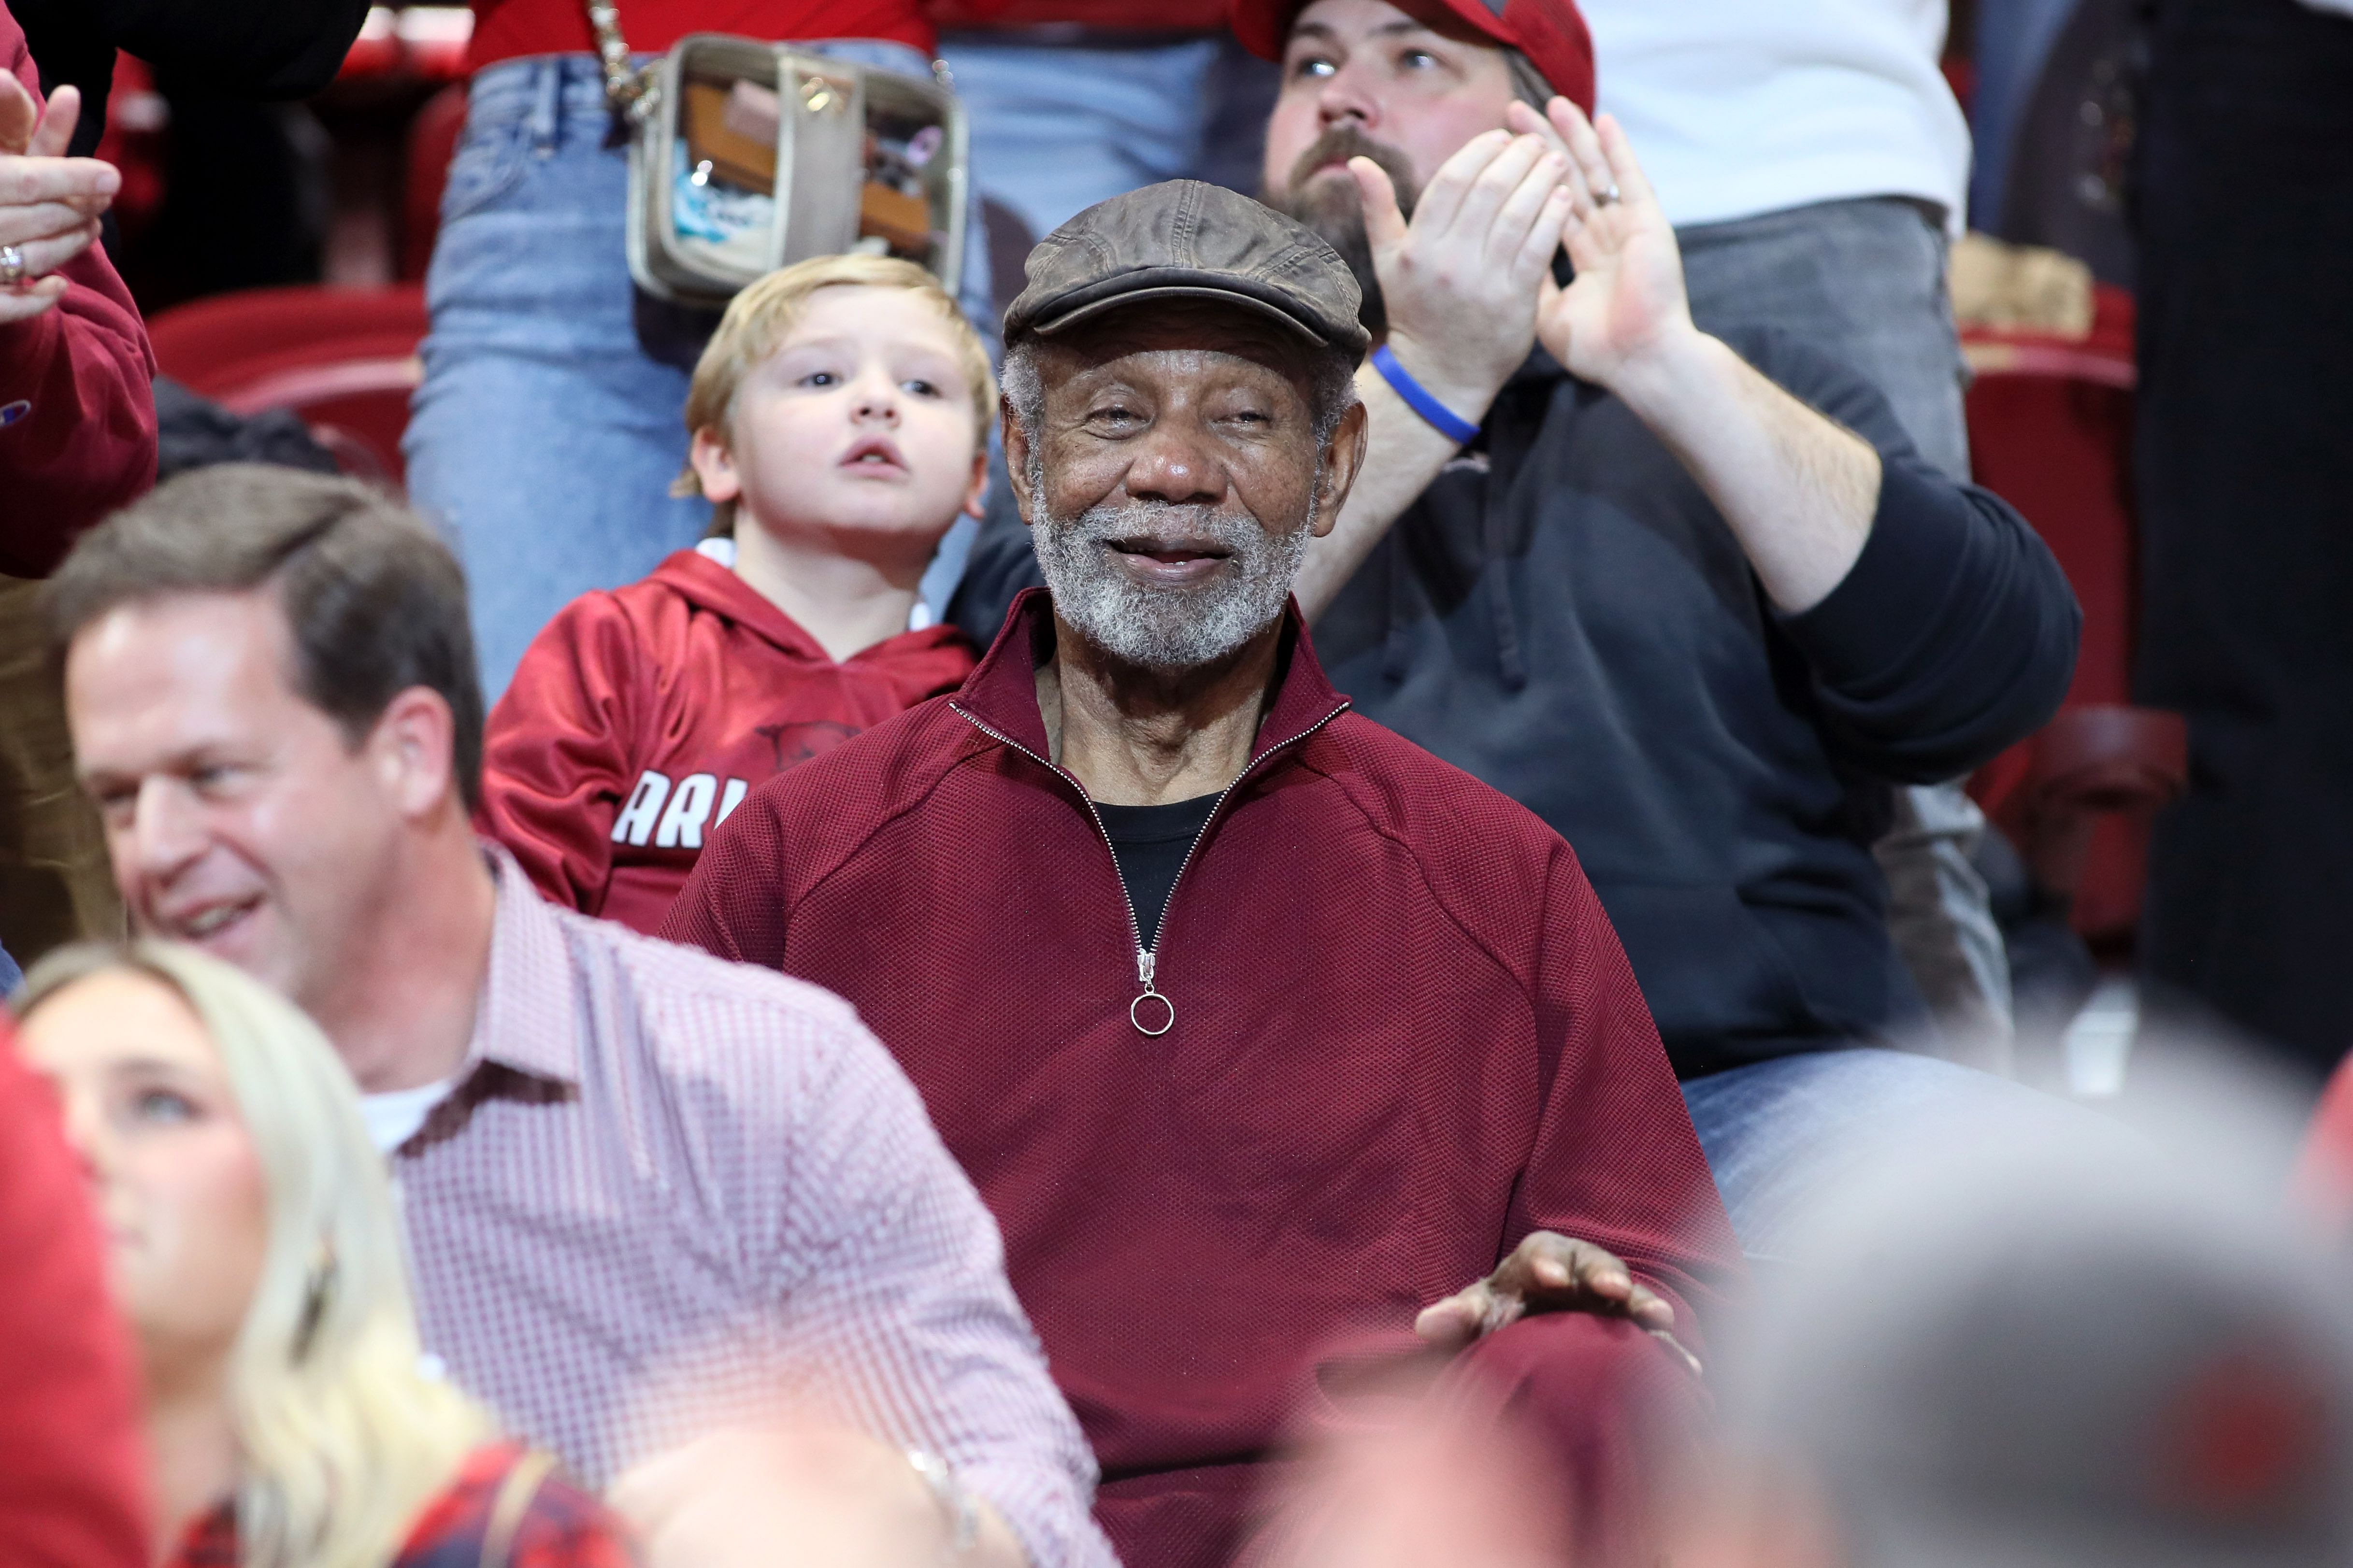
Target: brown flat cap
(1185, 239)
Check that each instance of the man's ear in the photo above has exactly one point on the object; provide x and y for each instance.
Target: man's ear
(714, 465)
(413, 746)
(1344, 459)
(1017, 455)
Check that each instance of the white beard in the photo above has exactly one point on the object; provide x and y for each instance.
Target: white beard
(1165, 628)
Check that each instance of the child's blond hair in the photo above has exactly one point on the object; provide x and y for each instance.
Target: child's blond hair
(758, 319)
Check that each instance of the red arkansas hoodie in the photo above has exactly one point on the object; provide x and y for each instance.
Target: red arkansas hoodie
(1397, 1035)
(640, 718)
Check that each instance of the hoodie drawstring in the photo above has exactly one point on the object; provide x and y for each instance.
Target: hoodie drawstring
(1507, 442)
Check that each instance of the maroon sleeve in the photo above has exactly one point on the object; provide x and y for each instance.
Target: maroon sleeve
(71, 1467)
(733, 905)
(557, 750)
(1615, 1160)
(77, 400)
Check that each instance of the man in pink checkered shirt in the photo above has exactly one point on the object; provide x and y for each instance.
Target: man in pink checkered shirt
(655, 1201)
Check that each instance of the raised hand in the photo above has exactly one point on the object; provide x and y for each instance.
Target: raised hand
(1628, 297)
(1461, 281)
(50, 204)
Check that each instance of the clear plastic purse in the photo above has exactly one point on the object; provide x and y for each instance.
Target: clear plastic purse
(746, 156)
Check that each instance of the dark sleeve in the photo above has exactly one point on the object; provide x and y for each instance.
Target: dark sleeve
(67, 38)
(1000, 566)
(235, 48)
(1953, 633)
(71, 1464)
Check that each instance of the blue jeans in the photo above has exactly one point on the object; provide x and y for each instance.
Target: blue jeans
(1063, 118)
(543, 440)
(1782, 1135)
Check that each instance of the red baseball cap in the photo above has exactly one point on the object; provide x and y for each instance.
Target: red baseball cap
(1551, 32)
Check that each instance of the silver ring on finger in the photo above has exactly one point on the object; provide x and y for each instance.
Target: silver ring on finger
(12, 266)
(1604, 198)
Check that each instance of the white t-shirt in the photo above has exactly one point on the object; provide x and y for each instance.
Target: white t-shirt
(1743, 107)
(394, 1117)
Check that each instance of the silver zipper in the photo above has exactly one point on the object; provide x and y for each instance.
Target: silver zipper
(1147, 959)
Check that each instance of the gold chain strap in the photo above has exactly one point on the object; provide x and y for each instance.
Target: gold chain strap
(626, 90)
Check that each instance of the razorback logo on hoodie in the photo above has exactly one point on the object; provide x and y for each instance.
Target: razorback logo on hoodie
(675, 817)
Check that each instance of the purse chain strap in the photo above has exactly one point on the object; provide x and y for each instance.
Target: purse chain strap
(630, 92)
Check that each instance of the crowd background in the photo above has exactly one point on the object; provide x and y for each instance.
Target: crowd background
(2140, 274)
(2165, 845)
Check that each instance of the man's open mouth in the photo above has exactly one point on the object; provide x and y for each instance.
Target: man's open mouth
(209, 920)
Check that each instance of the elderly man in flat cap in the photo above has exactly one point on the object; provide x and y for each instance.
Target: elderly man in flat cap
(1263, 1032)
(1686, 591)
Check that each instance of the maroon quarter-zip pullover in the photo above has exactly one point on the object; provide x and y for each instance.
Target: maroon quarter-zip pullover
(1400, 1035)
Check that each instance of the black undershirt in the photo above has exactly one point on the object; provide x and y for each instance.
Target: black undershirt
(1150, 843)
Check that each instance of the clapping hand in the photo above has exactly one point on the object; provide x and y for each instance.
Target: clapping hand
(1627, 300)
(50, 204)
(1460, 282)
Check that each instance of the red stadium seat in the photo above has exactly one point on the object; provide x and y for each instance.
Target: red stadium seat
(2050, 431)
(343, 359)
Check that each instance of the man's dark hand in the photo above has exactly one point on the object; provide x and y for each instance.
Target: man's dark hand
(1547, 1272)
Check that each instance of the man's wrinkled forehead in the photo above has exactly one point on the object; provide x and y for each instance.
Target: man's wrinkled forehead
(1216, 334)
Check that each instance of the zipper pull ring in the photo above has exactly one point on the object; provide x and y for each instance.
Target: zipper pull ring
(1136, 1012)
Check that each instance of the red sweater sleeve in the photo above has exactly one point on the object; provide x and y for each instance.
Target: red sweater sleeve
(77, 399)
(72, 1468)
(556, 752)
(1615, 1160)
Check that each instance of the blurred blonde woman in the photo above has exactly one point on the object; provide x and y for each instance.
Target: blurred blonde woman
(255, 1252)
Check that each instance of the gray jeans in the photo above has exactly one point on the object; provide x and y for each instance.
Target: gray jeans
(1865, 281)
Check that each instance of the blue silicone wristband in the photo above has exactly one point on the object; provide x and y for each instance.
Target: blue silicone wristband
(1440, 417)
